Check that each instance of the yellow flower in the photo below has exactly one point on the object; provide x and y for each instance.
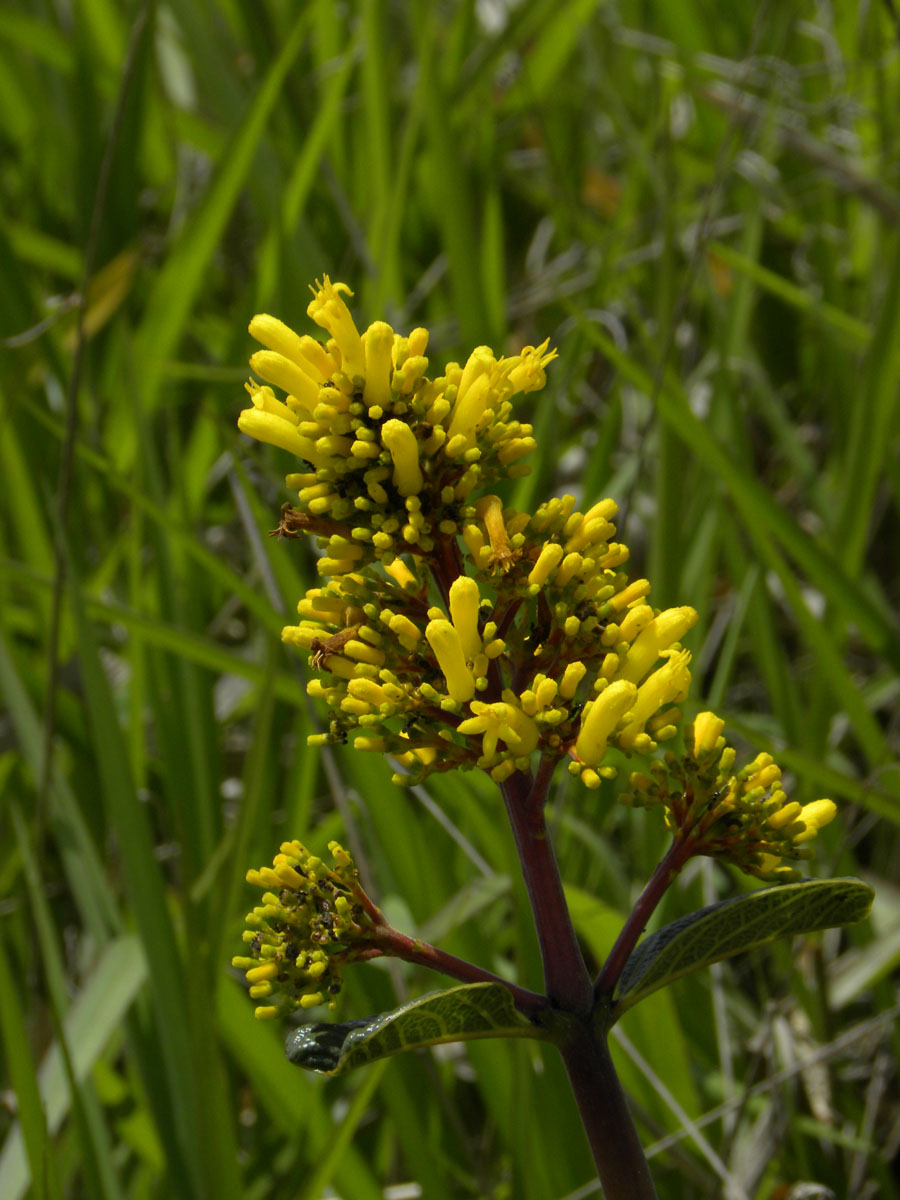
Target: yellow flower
(602, 717)
(661, 633)
(707, 730)
(814, 816)
(668, 683)
(446, 643)
(328, 310)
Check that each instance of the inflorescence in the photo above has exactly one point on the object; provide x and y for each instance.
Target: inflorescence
(450, 631)
(312, 921)
(741, 816)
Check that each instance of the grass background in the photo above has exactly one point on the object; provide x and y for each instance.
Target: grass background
(701, 210)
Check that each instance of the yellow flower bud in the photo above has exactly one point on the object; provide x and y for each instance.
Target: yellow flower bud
(447, 646)
(786, 815)
(634, 591)
(464, 600)
(368, 690)
(549, 557)
(815, 816)
(602, 717)
(408, 633)
(572, 676)
(400, 441)
(379, 344)
(259, 974)
(707, 730)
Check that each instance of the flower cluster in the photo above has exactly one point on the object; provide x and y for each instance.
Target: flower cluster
(389, 456)
(451, 631)
(313, 919)
(743, 816)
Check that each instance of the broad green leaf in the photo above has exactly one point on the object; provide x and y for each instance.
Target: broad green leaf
(472, 1010)
(733, 926)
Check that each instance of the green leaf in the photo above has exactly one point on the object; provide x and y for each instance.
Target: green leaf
(95, 1017)
(733, 926)
(472, 1010)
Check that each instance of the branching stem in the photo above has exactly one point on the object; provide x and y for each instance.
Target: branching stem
(390, 941)
(565, 974)
(667, 868)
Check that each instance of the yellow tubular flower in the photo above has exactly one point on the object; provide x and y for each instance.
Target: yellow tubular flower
(667, 683)
(464, 601)
(490, 510)
(329, 310)
(275, 335)
(284, 373)
(634, 591)
(379, 344)
(707, 730)
(267, 427)
(480, 362)
(400, 441)
(517, 729)
(445, 642)
(548, 559)
(501, 721)
(784, 816)
(265, 400)
(468, 412)
(602, 717)
(528, 373)
(814, 817)
(669, 627)
(572, 676)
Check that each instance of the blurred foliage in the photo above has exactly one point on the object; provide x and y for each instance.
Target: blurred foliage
(702, 213)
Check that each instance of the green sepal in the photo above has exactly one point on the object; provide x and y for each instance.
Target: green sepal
(733, 926)
(459, 1014)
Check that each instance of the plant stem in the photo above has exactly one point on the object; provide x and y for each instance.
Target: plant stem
(392, 942)
(667, 868)
(614, 1141)
(566, 977)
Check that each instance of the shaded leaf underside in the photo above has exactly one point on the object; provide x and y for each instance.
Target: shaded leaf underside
(479, 1010)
